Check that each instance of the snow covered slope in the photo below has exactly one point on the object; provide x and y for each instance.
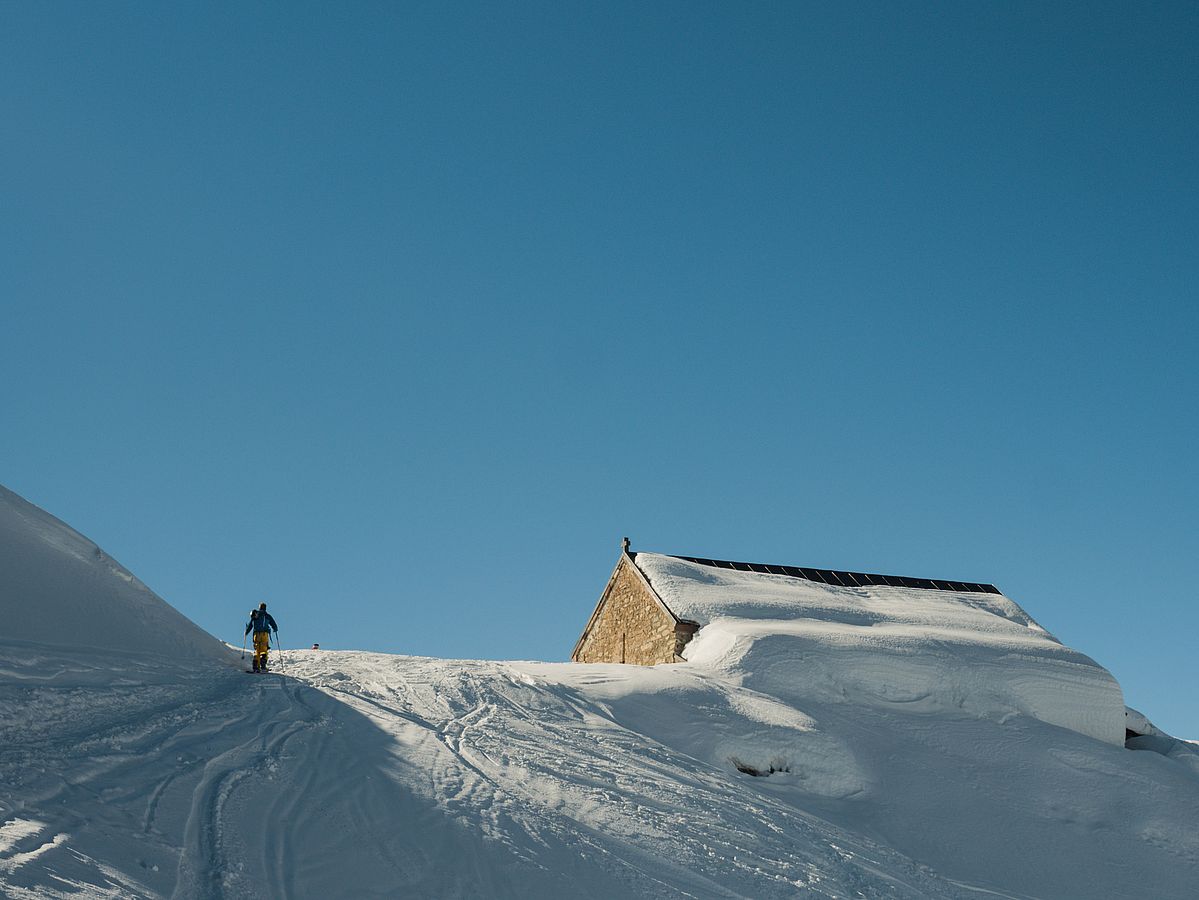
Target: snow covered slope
(83, 642)
(356, 774)
(59, 589)
(929, 650)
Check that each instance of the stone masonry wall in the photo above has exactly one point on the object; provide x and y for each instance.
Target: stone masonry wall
(631, 626)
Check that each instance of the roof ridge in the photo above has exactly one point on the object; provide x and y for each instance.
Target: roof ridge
(842, 578)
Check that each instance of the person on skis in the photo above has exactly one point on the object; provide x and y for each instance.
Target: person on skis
(262, 624)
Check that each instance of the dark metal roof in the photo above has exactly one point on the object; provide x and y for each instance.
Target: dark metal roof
(848, 579)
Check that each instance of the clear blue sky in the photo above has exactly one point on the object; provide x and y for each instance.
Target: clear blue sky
(399, 316)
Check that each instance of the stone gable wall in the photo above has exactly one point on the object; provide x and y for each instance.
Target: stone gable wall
(631, 627)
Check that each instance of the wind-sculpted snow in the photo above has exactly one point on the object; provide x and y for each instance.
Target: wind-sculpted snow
(932, 650)
(1149, 737)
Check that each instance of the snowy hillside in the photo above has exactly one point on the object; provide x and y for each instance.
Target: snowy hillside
(58, 588)
(352, 774)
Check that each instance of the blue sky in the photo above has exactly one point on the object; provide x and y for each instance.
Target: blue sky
(399, 316)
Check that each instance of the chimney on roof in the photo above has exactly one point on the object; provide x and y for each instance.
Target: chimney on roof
(624, 545)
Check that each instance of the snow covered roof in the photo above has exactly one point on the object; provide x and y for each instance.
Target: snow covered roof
(701, 590)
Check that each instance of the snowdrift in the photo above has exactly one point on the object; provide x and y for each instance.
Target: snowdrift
(932, 651)
(1144, 735)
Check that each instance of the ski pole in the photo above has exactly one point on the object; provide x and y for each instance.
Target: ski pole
(243, 648)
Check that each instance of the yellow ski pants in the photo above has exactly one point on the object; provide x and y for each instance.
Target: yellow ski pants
(262, 644)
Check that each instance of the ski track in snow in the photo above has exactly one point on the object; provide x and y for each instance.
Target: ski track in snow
(369, 775)
(444, 779)
(631, 793)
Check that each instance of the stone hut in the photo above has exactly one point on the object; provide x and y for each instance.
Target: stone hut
(630, 623)
(633, 624)
(944, 644)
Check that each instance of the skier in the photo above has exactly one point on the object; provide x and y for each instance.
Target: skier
(262, 624)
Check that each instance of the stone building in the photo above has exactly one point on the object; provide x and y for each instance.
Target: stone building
(633, 624)
(921, 643)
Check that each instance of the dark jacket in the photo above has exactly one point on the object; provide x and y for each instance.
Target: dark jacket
(261, 621)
